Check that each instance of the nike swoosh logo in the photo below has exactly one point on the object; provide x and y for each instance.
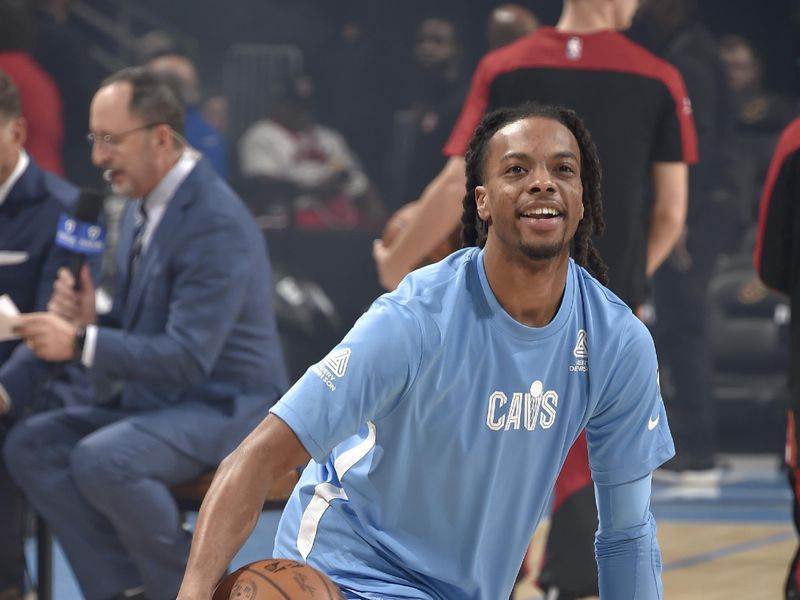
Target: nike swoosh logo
(651, 423)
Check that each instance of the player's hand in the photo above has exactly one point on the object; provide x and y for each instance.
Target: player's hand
(680, 258)
(75, 306)
(388, 275)
(49, 336)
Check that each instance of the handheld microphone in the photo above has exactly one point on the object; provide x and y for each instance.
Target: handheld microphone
(80, 234)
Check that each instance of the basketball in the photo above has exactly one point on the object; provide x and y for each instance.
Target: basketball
(277, 579)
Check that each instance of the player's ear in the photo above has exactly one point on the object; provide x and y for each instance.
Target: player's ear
(482, 202)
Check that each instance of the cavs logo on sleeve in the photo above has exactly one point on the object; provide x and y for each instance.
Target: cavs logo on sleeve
(332, 367)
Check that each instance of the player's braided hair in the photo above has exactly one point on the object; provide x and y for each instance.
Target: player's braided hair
(474, 229)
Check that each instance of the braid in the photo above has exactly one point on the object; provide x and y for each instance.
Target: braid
(474, 230)
(592, 224)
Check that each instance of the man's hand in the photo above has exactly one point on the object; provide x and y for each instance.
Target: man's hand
(435, 215)
(49, 336)
(681, 258)
(387, 275)
(75, 306)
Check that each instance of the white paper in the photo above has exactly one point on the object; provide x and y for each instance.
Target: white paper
(8, 317)
(12, 258)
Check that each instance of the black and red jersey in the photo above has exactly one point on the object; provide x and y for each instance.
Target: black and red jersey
(777, 253)
(634, 104)
(777, 250)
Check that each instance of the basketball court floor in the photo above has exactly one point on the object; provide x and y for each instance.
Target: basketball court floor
(732, 540)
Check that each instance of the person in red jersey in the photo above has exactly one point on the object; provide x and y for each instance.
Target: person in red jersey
(777, 261)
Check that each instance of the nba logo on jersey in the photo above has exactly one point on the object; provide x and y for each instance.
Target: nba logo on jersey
(574, 48)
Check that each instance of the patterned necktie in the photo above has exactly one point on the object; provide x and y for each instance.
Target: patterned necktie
(138, 243)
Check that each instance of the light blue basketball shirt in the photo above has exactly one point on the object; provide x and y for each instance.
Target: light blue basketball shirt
(438, 426)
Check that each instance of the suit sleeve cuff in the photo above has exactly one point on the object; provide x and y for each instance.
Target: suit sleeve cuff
(89, 346)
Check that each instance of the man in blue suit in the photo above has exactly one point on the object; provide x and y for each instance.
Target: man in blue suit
(31, 201)
(190, 346)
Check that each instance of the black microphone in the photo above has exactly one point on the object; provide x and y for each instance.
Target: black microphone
(80, 234)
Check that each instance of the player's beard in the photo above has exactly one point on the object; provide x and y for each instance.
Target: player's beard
(544, 251)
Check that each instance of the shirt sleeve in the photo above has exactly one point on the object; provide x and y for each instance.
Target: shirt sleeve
(627, 434)
(362, 379)
(628, 556)
(676, 136)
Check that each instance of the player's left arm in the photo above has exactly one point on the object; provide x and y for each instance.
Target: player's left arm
(670, 202)
(628, 556)
(628, 437)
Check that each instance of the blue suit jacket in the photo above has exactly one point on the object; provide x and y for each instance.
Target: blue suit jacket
(194, 339)
(28, 221)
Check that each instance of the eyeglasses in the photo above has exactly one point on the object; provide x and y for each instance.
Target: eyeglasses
(110, 140)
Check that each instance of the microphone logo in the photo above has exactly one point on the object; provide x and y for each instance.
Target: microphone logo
(80, 237)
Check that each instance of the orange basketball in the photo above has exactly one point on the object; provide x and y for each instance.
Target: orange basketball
(277, 579)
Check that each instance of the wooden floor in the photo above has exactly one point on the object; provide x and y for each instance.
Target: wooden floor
(717, 543)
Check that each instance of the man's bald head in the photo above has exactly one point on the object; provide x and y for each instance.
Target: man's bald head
(509, 22)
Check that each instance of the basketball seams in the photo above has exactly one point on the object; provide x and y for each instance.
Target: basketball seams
(279, 573)
(269, 581)
(324, 584)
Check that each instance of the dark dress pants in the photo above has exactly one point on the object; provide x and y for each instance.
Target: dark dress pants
(102, 484)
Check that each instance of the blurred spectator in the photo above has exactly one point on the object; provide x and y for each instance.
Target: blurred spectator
(215, 112)
(760, 115)
(325, 185)
(681, 283)
(509, 22)
(31, 202)
(62, 52)
(421, 129)
(41, 101)
(158, 51)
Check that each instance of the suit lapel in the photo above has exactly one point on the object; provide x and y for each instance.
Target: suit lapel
(26, 191)
(161, 245)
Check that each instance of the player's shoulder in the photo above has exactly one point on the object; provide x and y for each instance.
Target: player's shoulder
(530, 47)
(432, 289)
(646, 63)
(610, 318)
